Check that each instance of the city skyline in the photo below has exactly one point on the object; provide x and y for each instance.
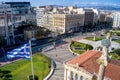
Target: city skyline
(69, 2)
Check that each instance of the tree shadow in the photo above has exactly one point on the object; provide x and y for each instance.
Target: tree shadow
(5, 75)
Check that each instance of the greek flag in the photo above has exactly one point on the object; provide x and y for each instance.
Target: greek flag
(22, 52)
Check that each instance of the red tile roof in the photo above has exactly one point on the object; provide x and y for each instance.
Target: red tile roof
(88, 62)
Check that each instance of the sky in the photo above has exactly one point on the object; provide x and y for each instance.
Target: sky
(69, 2)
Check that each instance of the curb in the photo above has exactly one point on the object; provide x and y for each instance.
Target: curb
(51, 71)
(71, 50)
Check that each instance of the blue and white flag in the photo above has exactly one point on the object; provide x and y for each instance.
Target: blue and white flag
(22, 52)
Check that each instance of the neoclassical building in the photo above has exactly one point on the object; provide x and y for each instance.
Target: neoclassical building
(86, 67)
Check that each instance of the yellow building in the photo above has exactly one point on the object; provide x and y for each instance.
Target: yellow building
(64, 23)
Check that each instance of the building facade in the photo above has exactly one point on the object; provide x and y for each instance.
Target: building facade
(20, 7)
(116, 20)
(12, 14)
(90, 16)
(86, 67)
(65, 23)
(40, 11)
(48, 22)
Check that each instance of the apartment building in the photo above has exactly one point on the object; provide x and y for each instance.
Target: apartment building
(48, 21)
(12, 14)
(40, 11)
(116, 20)
(90, 16)
(65, 23)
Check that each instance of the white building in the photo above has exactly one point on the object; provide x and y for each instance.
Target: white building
(116, 20)
(86, 67)
(4, 13)
(12, 14)
(40, 11)
(48, 21)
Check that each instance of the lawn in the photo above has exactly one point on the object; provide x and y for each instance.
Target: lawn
(83, 47)
(96, 38)
(19, 70)
(117, 41)
(115, 56)
(112, 33)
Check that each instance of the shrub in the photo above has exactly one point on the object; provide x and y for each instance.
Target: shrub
(117, 51)
(31, 77)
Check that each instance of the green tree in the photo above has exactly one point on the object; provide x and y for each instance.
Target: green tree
(2, 41)
(35, 77)
(88, 47)
(23, 25)
(1, 74)
(40, 33)
(117, 51)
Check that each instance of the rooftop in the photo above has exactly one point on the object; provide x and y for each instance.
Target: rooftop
(88, 62)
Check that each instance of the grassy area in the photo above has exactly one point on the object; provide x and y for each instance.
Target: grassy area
(117, 41)
(116, 33)
(22, 68)
(80, 45)
(96, 38)
(115, 56)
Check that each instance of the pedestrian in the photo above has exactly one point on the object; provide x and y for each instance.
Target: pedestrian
(73, 53)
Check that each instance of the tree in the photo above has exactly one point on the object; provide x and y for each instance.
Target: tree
(47, 32)
(1, 74)
(88, 47)
(23, 25)
(2, 41)
(35, 77)
(40, 33)
(117, 51)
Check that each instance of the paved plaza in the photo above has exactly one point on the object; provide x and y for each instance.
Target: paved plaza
(60, 55)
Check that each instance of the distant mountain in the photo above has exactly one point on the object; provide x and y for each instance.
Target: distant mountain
(97, 6)
(101, 7)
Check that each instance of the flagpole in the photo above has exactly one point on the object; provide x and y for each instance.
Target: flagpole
(32, 68)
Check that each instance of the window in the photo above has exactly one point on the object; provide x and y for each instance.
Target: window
(81, 78)
(72, 76)
(76, 77)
